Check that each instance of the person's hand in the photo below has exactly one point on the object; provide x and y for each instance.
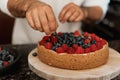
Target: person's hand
(72, 13)
(40, 16)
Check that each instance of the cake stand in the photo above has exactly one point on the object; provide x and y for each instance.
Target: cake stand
(105, 72)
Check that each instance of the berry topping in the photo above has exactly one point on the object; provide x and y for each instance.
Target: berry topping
(65, 47)
(75, 46)
(76, 33)
(71, 50)
(93, 36)
(5, 63)
(54, 39)
(79, 50)
(86, 34)
(59, 33)
(59, 50)
(48, 45)
(87, 50)
(5, 57)
(73, 42)
(103, 42)
(87, 41)
(93, 47)
(45, 38)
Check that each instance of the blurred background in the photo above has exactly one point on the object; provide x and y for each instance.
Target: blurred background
(108, 28)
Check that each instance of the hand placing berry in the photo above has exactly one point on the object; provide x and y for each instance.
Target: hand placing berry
(41, 17)
(72, 13)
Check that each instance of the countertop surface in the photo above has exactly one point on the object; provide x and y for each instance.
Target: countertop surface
(22, 71)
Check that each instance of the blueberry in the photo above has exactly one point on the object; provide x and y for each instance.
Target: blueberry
(89, 44)
(3, 52)
(64, 41)
(3, 57)
(70, 39)
(93, 41)
(58, 44)
(11, 58)
(79, 38)
(85, 46)
(1, 64)
(54, 48)
(54, 34)
(74, 41)
(7, 58)
(80, 43)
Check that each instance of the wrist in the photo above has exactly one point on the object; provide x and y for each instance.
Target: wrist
(85, 12)
(18, 8)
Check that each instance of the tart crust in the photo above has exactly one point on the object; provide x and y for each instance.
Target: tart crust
(74, 61)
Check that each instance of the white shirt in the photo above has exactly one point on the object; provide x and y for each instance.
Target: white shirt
(23, 34)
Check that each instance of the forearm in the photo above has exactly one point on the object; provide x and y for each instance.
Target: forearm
(92, 14)
(18, 8)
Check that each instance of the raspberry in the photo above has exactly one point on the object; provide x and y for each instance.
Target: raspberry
(48, 45)
(103, 42)
(0, 48)
(59, 33)
(75, 46)
(76, 33)
(97, 38)
(71, 50)
(42, 42)
(59, 50)
(65, 47)
(54, 39)
(86, 34)
(45, 38)
(87, 41)
(79, 50)
(5, 63)
(93, 36)
(93, 47)
(99, 45)
(87, 50)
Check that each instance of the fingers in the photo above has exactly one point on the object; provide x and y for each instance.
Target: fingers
(30, 20)
(74, 16)
(41, 17)
(33, 20)
(51, 20)
(80, 17)
(45, 23)
(71, 13)
(65, 12)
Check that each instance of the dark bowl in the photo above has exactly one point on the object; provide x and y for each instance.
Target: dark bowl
(13, 64)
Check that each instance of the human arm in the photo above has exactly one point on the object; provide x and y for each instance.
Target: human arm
(39, 15)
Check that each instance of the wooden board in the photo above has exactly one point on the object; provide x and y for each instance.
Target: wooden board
(105, 72)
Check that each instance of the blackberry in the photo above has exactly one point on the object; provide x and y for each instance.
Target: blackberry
(54, 34)
(34, 54)
(93, 41)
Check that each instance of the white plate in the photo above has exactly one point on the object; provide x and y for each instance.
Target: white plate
(105, 72)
